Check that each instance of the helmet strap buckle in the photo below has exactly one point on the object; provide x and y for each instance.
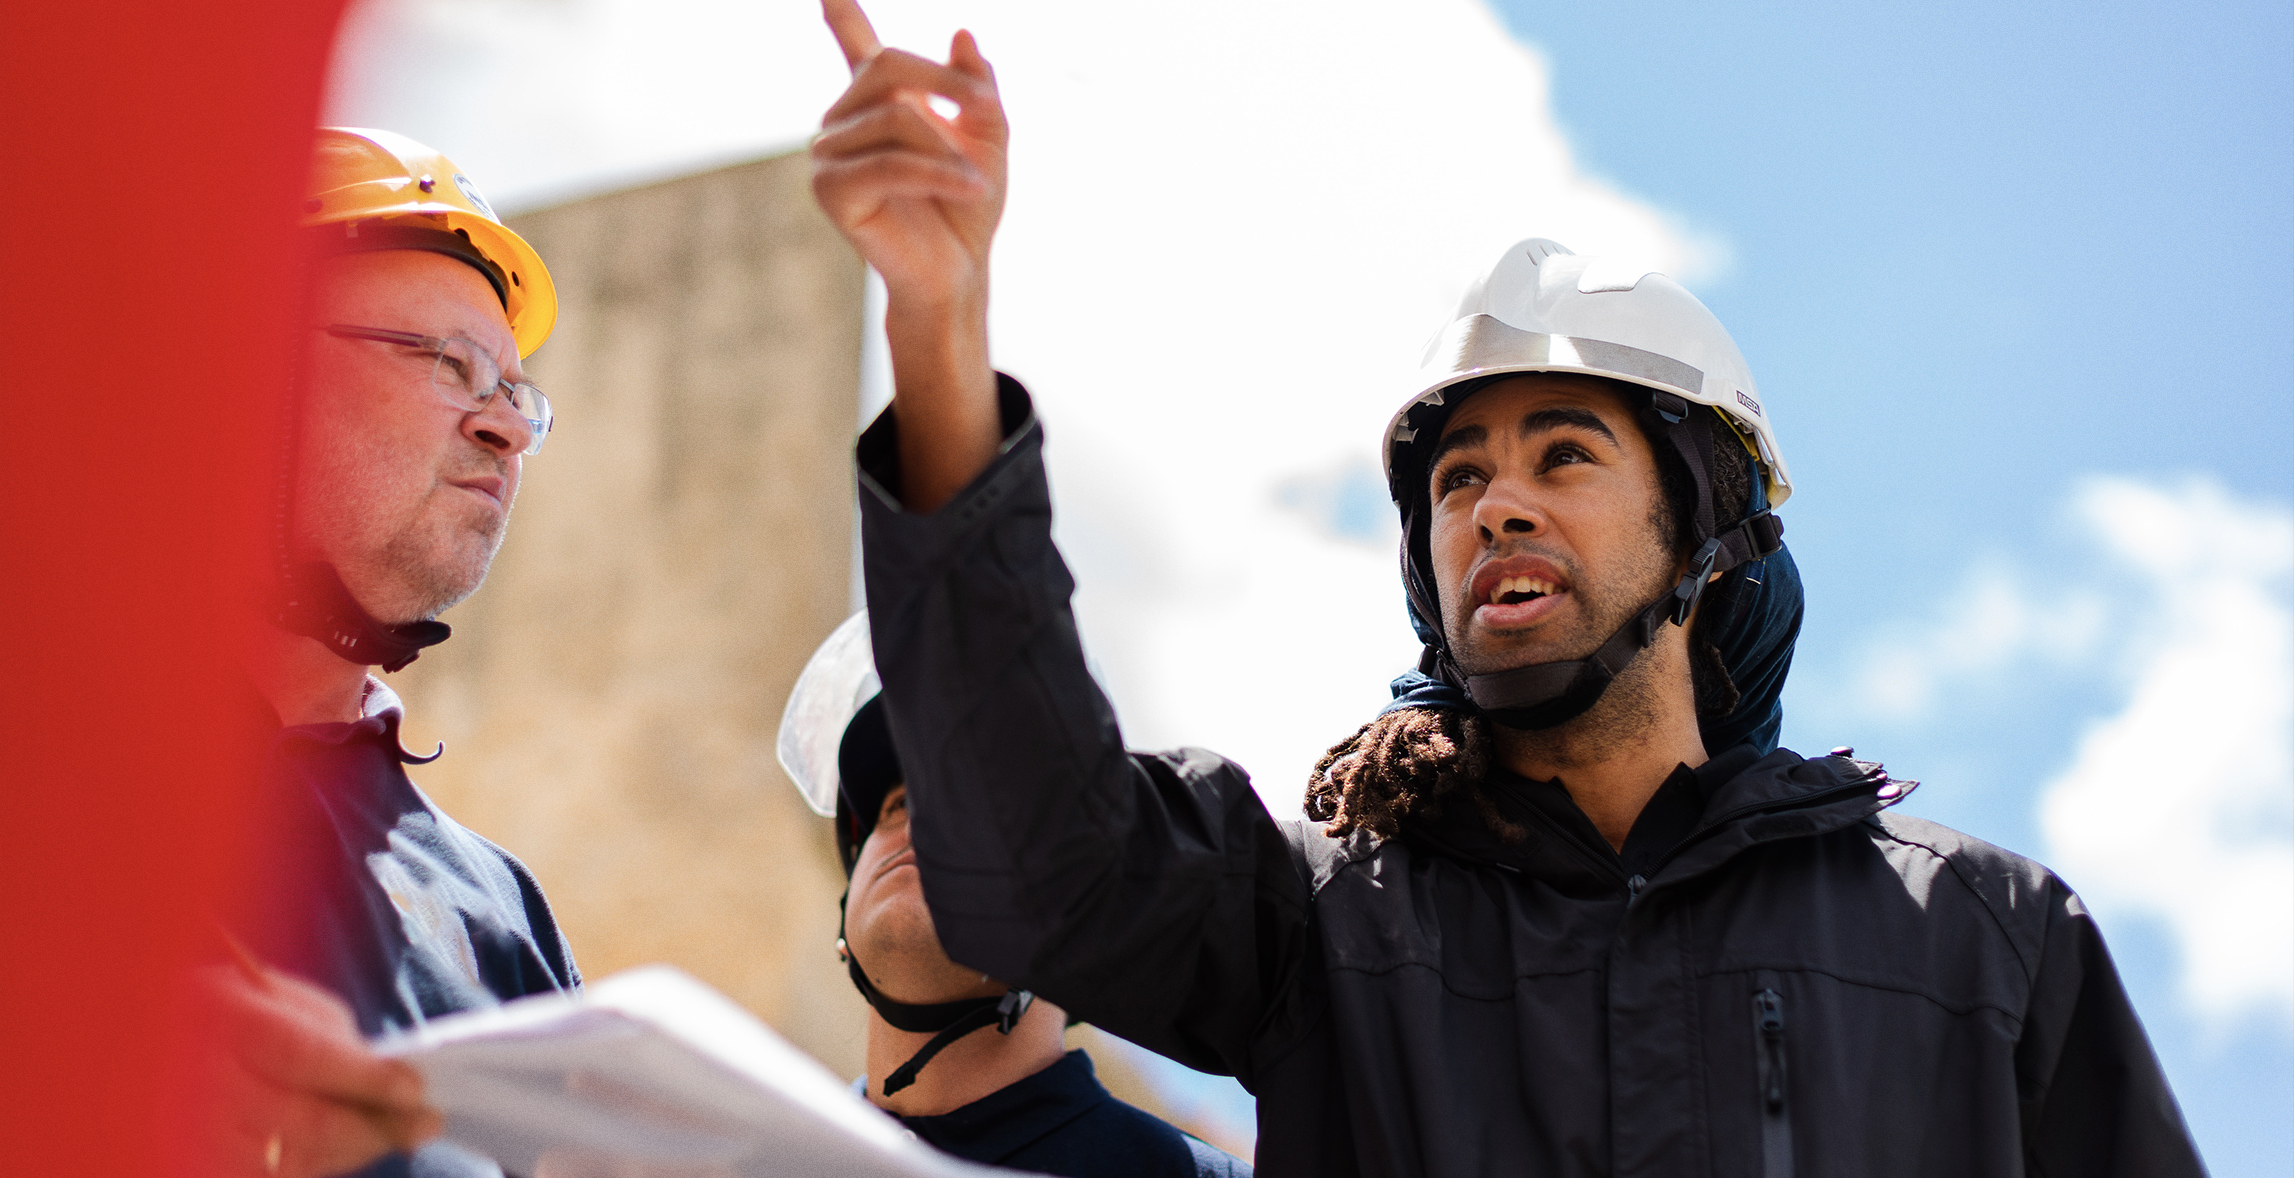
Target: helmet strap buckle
(1009, 1011)
(1692, 587)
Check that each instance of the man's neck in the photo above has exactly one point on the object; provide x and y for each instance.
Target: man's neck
(303, 681)
(1614, 758)
(977, 1065)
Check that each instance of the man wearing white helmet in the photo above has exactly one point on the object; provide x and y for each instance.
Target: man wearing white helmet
(1014, 1097)
(403, 444)
(1564, 908)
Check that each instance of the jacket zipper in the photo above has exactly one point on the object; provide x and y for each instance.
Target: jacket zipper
(1775, 1109)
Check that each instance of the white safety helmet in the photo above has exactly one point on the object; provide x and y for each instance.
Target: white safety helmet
(835, 685)
(1542, 308)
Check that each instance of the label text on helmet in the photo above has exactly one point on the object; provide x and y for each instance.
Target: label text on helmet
(471, 190)
(1749, 403)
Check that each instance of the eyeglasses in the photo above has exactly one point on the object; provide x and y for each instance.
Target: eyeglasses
(466, 375)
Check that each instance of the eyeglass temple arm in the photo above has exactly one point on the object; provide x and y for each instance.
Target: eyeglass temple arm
(383, 335)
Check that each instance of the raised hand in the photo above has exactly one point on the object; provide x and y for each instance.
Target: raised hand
(297, 1090)
(919, 195)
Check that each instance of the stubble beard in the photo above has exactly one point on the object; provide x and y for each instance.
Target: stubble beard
(1625, 716)
(1604, 609)
(402, 564)
(429, 585)
(434, 564)
(1631, 707)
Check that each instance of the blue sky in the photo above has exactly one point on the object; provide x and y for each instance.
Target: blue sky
(2016, 281)
(1979, 252)
(1981, 248)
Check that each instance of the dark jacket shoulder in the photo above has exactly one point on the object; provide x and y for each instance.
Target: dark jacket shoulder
(1318, 856)
(2019, 896)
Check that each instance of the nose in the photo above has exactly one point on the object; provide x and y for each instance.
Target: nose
(499, 427)
(1507, 507)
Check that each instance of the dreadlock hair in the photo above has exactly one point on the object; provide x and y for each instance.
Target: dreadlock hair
(1414, 760)
(1406, 762)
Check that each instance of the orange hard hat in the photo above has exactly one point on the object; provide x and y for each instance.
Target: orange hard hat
(385, 188)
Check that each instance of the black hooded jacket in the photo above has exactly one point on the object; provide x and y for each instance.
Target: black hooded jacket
(1795, 981)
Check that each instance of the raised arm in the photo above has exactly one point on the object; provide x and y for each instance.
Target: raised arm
(1148, 893)
(919, 195)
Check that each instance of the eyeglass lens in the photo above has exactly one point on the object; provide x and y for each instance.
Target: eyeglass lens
(466, 376)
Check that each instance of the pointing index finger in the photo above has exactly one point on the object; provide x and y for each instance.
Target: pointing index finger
(854, 34)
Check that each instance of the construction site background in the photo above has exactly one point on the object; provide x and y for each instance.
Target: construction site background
(610, 700)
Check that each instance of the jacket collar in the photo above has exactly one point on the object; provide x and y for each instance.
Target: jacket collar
(380, 715)
(1781, 796)
(377, 698)
(1778, 796)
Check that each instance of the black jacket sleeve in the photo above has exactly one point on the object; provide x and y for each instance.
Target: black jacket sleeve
(1150, 894)
(2095, 1102)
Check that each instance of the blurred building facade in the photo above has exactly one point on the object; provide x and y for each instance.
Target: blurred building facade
(610, 699)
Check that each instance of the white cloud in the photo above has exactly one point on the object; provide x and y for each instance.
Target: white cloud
(1991, 620)
(541, 99)
(1232, 227)
(2181, 806)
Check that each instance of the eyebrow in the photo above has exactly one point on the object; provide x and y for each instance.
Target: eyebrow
(1542, 421)
(1545, 420)
(1472, 435)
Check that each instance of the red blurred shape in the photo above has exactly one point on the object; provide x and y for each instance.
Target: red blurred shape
(151, 155)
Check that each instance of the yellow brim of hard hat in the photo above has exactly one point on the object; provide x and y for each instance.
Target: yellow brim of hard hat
(531, 300)
(366, 175)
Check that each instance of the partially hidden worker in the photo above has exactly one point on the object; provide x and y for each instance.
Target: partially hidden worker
(973, 1066)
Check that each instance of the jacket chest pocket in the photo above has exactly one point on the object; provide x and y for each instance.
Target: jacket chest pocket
(1773, 1092)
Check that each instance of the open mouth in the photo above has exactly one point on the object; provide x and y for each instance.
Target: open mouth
(1517, 590)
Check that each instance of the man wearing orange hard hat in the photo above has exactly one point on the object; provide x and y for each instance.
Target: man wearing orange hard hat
(403, 441)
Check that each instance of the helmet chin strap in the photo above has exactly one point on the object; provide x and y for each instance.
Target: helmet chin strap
(1545, 695)
(313, 602)
(950, 1020)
